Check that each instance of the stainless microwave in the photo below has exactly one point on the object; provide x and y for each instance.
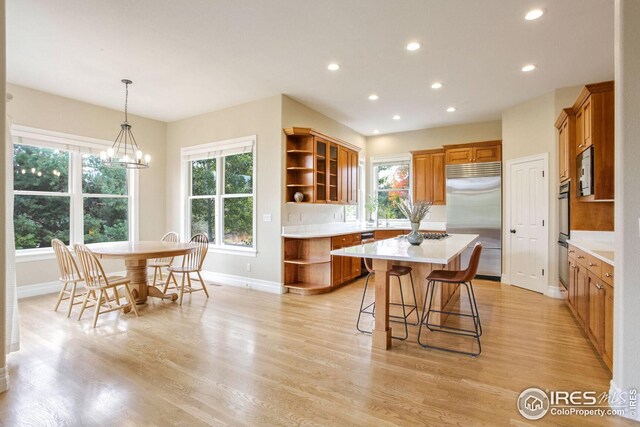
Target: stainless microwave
(585, 172)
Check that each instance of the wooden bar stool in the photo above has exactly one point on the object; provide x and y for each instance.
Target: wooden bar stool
(396, 271)
(462, 278)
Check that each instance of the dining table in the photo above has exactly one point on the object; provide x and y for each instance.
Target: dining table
(136, 256)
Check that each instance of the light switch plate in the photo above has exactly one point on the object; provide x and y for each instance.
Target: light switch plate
(266, 217)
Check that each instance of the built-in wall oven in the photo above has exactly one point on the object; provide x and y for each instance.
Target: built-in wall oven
(564, 225)
(585, 173)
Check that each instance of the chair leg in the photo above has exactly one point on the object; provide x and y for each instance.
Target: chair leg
(155, 274)
(116, 295)
(425, 313)
(84, 304)
(166, 284)
(415, 300)
(132, 302)
(404, 312)
(364, 294)
(61, 295)
(204, 287)
(475, 304)
(182, 289)
(72, 298)
(97, 311)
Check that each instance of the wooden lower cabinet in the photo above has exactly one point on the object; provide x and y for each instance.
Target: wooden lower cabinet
(590, 298)
(345, 269)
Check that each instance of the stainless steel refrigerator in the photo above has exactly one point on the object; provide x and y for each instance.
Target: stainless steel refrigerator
(474, 206)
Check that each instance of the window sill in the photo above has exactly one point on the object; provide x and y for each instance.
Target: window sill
(29, 255)
(249, 252)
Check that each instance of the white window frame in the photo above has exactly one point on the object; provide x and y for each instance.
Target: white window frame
(219, 150)
(400, 158)
(76, 146)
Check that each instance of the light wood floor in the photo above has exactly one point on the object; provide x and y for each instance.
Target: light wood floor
(250, 358)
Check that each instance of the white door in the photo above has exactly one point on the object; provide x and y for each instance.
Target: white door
(528, 206)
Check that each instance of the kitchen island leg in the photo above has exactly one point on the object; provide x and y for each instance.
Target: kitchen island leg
(381, 334)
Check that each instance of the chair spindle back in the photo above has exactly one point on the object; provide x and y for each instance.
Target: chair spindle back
(195, 259)
(94, 275)
(171, 237)
(66, 263)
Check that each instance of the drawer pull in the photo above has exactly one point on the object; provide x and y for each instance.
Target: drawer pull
(580, 257)
(591, 264)
(572, 252)
(607, 274)
(599, 286)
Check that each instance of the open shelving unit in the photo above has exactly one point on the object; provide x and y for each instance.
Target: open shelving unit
(307, 265)
(300, 167)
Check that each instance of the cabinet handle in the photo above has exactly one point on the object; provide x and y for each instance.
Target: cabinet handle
(607, 274)
(572, 252)
(580, 257)
(573, 266)
(591, 264)
(581, 145)
(599, 286)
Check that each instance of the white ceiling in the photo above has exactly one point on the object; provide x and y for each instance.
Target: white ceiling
(191, 57)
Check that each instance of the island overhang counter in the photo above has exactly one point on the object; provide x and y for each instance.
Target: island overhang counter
(443, 254)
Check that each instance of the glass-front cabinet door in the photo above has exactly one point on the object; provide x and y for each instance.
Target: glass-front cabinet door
(333, 173)
(321, 170)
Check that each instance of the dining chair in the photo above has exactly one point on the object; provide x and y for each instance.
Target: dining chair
(159, 263)
(98, 282)
(191, 263)
(69, 276)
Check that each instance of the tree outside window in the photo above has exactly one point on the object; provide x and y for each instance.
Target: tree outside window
(391, 184)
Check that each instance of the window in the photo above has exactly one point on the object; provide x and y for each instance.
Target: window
(390, 183)
(221, 193)
(62, 191)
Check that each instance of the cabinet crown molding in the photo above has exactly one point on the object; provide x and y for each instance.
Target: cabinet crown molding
(590, 90)
(564, 114)
(296, 130)
(472, 144)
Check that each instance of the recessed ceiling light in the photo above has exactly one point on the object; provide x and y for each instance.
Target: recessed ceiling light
(333, 67)
(413, 46)
(451, 109)
(528, 67)
(436, 85)
(375, 131)
(396, 117)
(534, 14)
(373, 97)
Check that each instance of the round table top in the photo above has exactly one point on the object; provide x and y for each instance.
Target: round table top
(141, 250)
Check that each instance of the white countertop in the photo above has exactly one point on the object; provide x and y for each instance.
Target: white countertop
(596, 243)
(341, 228)
(398, 249)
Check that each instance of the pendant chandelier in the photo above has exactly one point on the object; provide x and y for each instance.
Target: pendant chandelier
(125, 153)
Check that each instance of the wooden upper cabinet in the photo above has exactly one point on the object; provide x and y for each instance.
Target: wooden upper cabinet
(324, 169)
(343, 175)
(353, 178)
(475, 152)
(429, 181)
(566, 129)
(594, 122)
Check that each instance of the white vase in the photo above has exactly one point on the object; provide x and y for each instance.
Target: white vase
(298, 197)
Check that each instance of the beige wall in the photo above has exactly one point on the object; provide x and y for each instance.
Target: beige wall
(263, 119)
(4, 375)
(528, 129)
(626, 322)
(43, 110)
(296, 114)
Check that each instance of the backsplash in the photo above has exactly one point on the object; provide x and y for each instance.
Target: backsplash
(325, 214)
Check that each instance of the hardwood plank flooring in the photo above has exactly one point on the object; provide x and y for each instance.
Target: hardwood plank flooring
(249, 358)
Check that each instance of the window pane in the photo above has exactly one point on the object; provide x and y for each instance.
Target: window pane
(391, 177)
(100, 179)
(238, 174)
(203, 177)
(106, 219)
(40, 169)
(351, 213)
(238, 221)
(203, 218)
(38, 219)
(387, 204)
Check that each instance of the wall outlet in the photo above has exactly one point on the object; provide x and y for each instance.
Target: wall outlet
(248, 266)
(266, 217)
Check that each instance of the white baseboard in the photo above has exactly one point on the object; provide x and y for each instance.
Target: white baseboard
(244, 282)
(505, 280)
(615, 391)
(27, 291)
(4, 379)
(554, 292)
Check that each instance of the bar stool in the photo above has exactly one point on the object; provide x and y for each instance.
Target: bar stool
(396, 271)
(462, 278)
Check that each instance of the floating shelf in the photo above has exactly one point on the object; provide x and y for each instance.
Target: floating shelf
(299, 185)
(300, 151)
(309, 261)
(299, 168)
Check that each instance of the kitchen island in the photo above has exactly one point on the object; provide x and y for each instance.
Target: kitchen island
(431, 255)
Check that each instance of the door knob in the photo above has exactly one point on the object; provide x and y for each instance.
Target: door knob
(513, 231)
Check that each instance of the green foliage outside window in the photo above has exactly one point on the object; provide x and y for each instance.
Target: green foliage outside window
(392, 184)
